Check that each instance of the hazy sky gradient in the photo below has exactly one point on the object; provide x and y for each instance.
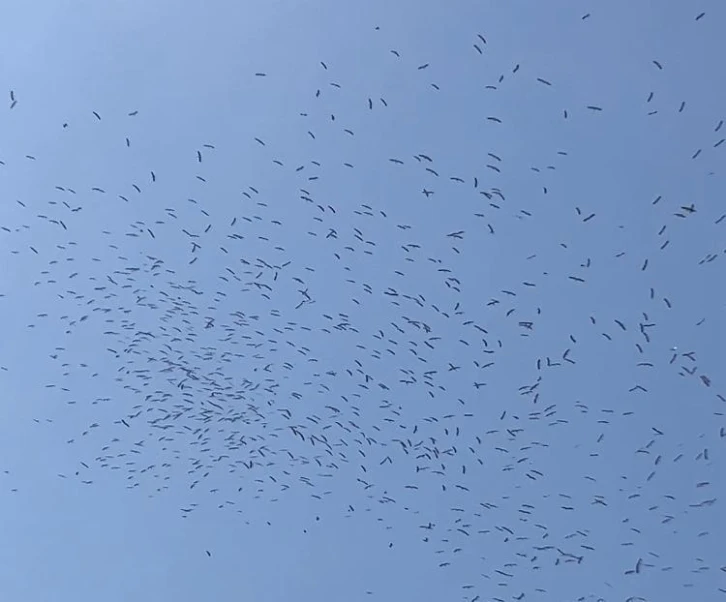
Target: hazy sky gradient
(90, 509)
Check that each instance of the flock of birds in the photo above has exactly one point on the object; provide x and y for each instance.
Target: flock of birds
(294, 333)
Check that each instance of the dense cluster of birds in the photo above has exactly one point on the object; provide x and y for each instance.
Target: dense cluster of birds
(345, 313)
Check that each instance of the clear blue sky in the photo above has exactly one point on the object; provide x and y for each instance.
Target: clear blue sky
(415, 315)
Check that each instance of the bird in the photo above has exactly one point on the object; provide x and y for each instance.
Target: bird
(316, 336)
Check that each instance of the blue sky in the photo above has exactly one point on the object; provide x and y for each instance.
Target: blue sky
(246, 355)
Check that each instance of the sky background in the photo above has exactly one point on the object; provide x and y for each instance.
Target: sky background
(154, 395)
